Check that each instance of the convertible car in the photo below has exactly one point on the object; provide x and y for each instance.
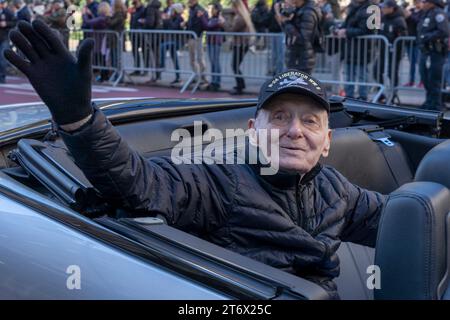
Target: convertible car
(59, 240)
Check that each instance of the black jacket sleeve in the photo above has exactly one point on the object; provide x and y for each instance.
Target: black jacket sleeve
(364, 210)
(360, 27)
(306, 26)
(192, 197)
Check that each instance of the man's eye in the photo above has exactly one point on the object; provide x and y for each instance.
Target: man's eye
(280, 116)
(311, 122)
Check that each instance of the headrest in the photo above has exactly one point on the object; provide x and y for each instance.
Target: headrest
(435, 166)
(412, 243)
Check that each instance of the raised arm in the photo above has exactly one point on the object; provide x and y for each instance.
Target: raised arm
(143, 187)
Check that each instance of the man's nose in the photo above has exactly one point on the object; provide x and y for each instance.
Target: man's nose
(295, 130)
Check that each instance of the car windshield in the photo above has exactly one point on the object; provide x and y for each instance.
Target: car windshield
(20, 115)
(14, 116)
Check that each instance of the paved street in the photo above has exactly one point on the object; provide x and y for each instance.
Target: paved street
(19, 90)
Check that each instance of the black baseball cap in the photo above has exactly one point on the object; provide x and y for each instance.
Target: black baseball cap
(438, 3)
(293, 81)
(389, 4)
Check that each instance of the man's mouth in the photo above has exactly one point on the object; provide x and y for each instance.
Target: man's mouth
(293, 148)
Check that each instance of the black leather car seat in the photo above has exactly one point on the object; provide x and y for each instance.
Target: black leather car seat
(413, 242)
(435, 166)
(367, 161)
(406, 213)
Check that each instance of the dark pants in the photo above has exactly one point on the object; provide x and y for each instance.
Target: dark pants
(151, 51)
(172, 46)
(414, 54)
(294, 59)
(239, 52)
(432, 78)
(99, 59)
(378, 68)
(137, 42)
(214, 58)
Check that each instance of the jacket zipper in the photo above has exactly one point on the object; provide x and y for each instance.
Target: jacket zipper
(298, 200)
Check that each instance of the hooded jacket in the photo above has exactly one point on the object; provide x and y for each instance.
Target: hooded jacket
(289, 223)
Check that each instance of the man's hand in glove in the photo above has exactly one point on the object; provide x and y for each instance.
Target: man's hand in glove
(62, 81)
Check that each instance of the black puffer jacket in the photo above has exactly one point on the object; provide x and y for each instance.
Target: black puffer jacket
(153, 15)
(289, 224)
(300, 32)
(261, 17)
(394, 25)
(356, 25)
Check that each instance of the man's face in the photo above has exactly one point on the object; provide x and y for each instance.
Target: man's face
(192, 3)
(387, 10)
(427, 5)
(304, 135)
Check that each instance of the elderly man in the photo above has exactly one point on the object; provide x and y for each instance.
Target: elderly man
(293, 220)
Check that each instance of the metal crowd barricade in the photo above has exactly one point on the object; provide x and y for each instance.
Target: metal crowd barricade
(359, 63)
(244, 56)
(406, 57)
(157, 52)
(107, 53)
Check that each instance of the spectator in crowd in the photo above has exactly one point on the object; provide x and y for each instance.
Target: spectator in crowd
(168, 7)
(89, 12)
(356, 56)
(432, 39)
(101, 50)
(119, 16)
(151, 21)
(335, 8)
(413, 16)
(194, 24)
(38, 10)
(277, 50)
(261, 16)
(56, 19)
(137, 13)
(214, 42)
(7, 22)
(56, 16)
(172, 20)
(328, 15)
(117, 24)
(393, 25)
(23, 13)
(241, 23)
(301, 28)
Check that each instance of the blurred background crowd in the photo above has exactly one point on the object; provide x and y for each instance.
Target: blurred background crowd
(304, 24)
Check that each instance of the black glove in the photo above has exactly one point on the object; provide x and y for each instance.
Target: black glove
(62, 81)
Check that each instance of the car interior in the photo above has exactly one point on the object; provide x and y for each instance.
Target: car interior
(413, 241)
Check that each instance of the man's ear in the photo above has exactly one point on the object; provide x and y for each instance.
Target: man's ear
(251, 123)
(326, 149)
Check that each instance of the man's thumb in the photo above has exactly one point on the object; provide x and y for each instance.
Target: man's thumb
(85, 54)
